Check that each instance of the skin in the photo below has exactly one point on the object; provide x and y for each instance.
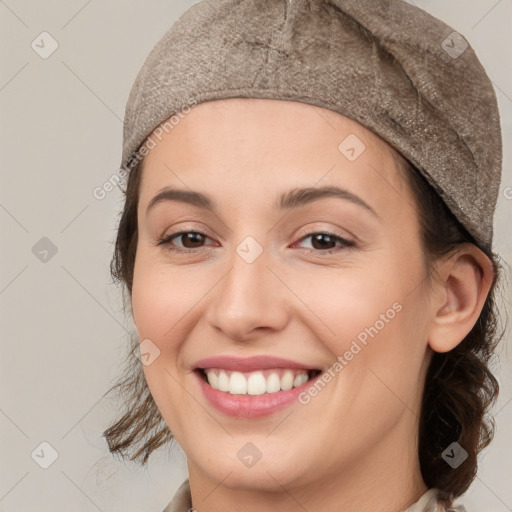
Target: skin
(353, 447)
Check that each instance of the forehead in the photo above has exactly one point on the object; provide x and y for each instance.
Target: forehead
(255, 148)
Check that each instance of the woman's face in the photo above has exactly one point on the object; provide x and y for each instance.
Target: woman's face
(259, 279)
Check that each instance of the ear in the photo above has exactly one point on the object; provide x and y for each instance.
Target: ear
(462, 283)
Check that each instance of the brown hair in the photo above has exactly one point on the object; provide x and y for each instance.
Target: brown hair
(459, 387)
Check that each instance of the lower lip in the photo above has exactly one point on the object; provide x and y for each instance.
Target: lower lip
(250, 406)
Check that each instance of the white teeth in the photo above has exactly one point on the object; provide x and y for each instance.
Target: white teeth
(300, 379)
(213, 379)
(237, 384)
(273, 383)
(222, 381)
(287, 380)
(255, 383)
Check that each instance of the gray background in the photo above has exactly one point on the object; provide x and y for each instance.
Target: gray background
(63, 329)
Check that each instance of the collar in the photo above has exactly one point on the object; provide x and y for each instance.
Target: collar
(182, 502)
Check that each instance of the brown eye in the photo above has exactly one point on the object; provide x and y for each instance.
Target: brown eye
(324, 242)
(190, 240)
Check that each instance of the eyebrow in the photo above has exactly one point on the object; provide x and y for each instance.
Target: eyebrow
(294, 198)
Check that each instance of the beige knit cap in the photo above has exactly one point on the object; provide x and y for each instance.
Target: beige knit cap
(388, 65)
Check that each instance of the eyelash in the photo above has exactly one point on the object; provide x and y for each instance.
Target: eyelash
(347, 244)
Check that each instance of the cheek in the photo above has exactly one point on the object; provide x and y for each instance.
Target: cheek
(375, 320)
(161, 312)
(352, 301)
(161, 296)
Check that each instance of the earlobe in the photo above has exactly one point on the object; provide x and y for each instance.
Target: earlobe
(463, 283)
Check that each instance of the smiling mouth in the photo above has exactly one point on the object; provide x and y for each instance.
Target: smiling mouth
(257, 382)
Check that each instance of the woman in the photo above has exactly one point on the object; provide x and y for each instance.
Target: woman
(307, 246)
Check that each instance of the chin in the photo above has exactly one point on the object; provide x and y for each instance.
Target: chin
(264, 478)
(265, 475)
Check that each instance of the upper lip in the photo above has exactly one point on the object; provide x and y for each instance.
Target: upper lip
(249, 363)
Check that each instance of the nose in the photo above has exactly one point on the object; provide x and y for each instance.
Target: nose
(250, 300)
